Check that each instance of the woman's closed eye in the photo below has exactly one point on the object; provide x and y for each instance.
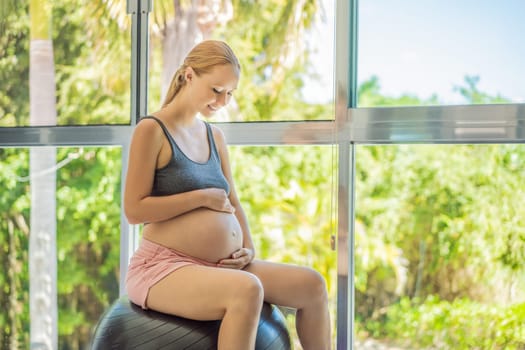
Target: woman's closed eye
(218, 92)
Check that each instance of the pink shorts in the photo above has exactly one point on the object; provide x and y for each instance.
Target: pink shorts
(151, 263)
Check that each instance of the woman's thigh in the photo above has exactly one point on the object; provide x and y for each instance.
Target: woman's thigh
(288, 285)
(199, 292)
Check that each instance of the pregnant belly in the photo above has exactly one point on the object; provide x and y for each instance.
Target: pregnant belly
(203, 233)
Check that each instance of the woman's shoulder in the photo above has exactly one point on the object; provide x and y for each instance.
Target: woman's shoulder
(216, 130)
(218, 134)
(148, 128)
(150, 119)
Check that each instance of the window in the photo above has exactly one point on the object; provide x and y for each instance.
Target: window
(440, 53)
(285, 50)
(65, 73)
(369, 90)
(52, 203)
(439, 245)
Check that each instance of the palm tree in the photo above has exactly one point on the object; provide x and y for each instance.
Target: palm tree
(42, 242)
(179, 25)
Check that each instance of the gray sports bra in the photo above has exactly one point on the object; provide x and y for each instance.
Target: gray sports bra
(182, 174)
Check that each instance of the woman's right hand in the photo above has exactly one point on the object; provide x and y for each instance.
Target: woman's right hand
(217, 199)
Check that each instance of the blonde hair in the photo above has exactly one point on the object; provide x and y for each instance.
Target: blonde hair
(202, 58)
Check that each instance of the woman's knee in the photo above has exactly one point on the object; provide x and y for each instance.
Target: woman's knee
(248, 290)
(316, 285)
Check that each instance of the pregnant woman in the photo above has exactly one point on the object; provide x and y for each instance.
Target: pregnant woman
(196, 255)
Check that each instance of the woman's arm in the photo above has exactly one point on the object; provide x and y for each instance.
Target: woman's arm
(146, 146)
(220, 141)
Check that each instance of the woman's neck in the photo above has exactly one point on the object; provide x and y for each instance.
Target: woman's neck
(179, 112)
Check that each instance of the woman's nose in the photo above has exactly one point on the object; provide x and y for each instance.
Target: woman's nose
(222, 99)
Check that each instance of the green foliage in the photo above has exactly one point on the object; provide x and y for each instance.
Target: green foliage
(14, 66)
(472, 94)
(444, 221)
(287, 192)
(369, 95)
(288, 195)
(14, 243)
(88, 239)
(461, 324)
(92, 62)
(273, 58)
(438, 220)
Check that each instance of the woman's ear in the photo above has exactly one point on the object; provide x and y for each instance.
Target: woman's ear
(189, 73)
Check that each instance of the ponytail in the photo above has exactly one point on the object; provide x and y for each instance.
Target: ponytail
(176, 84)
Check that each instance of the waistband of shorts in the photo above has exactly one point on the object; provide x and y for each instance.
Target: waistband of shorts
(151, 247)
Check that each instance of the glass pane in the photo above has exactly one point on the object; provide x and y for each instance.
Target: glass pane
(80, 64)
(285, 50)
(60, 211)
(440, 52)
(287, 193)
(440, 246)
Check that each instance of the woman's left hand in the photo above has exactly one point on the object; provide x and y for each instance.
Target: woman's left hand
(238, 260)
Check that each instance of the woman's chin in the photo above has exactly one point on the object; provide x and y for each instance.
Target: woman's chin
(208, 112)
